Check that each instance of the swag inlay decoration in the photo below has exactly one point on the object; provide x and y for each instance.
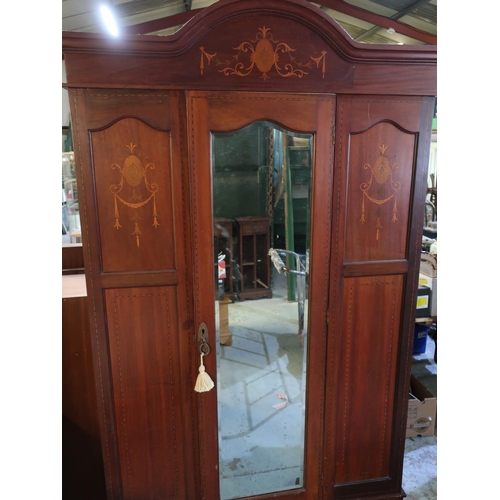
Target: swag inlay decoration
(264, 53)
(134, 173)
(382, 191)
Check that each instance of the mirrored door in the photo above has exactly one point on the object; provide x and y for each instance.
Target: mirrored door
(258, 179)
(261, 197)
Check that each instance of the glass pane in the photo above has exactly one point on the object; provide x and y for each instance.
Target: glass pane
(261, 203)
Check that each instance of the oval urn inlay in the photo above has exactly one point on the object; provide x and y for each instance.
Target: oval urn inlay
(264, 56)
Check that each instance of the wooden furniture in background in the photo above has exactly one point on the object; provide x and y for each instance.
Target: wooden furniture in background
(72, 259)
(82, 463)
(254, 242)
(147, 105)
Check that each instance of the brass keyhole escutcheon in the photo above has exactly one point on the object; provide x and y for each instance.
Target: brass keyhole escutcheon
(203, 339)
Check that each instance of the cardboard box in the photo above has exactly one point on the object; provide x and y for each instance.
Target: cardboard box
(422, 408)
(423, 302)
(428, 264)
(431, 282)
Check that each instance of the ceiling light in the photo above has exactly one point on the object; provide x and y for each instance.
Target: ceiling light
(109, 20)
(391, 31)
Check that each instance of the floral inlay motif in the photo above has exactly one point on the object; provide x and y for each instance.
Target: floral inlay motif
(264, 53)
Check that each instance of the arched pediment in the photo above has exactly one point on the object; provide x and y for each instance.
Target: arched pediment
(278, 45)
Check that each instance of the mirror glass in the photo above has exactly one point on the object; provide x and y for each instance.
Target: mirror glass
(261, 207)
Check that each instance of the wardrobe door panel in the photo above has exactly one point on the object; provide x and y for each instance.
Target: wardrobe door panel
(145, 373)
(264, 417)
(135, 227)
(371, 312)
(381, 163)
(382, 146)
(132, 163)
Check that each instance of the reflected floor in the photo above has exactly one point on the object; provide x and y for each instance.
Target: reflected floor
(261, 401)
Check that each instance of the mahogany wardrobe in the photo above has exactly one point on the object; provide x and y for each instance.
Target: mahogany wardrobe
(257, 149)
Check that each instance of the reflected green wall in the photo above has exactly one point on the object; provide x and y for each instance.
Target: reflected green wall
(241, 172)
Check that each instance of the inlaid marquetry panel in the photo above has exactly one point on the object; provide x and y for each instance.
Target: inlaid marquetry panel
(263, 53)
(258, 51)
(132, 172)
(144, 354)
(370, 339)
(380, 171)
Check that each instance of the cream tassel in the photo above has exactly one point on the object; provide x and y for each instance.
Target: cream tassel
(203, 383)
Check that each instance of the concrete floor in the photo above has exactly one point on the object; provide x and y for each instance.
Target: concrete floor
(261, 405)
(261, 399)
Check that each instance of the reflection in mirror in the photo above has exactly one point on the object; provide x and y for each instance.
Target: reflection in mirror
(261, 205)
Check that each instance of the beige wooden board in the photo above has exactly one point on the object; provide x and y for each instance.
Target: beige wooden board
(73, 285)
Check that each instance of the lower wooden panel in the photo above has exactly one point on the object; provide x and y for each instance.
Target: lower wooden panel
(144, 350)
(370, 336)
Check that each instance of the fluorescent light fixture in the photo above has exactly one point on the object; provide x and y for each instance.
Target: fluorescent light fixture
(109, 20)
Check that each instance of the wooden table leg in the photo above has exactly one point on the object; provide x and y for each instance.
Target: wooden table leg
(226, 337)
